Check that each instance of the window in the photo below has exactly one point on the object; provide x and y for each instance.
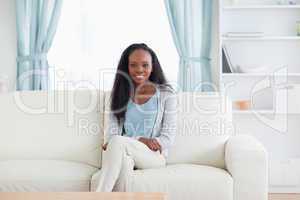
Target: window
(92, 34)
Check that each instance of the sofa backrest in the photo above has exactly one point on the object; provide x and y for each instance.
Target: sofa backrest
(204, 124)
(203, 127)
(60, 125)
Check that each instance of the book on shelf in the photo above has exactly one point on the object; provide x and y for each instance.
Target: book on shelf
(227, 66)
(243, 34)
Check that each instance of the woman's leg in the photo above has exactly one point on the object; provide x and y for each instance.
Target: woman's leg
(120, 146)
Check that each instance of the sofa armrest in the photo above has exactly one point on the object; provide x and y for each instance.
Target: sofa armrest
(247, 162)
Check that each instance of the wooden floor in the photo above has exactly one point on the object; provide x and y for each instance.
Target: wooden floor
(284, 196)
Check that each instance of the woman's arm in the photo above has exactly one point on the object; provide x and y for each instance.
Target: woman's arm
(169, 122)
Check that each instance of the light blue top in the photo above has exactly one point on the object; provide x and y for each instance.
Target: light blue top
(140, 118)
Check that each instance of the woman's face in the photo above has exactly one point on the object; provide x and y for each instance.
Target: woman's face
(140, 66)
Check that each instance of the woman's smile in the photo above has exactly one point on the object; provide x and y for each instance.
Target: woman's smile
(140, 76)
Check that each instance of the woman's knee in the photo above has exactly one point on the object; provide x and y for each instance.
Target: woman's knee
(117, 140)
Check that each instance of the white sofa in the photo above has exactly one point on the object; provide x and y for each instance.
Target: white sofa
(51, 141)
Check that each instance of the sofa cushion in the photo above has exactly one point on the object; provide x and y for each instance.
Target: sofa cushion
(204, 125)
(56, 125)
(44, 176)
(184, 181)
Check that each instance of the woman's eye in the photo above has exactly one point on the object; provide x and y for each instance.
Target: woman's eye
(132, 65)
(145, 65)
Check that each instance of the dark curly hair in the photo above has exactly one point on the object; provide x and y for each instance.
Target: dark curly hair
(122, 84)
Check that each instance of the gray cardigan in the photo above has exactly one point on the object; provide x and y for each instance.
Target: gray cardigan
(164, 129)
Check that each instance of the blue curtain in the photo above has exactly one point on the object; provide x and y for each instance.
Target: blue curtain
(191, 27)
(36, 26)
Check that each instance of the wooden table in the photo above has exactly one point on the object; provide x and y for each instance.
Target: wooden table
(106, 196)
(80, 196)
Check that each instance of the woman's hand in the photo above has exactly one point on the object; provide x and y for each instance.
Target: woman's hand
(152, 143)
(104, 146)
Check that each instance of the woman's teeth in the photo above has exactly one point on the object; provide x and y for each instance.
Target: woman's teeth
(139, 77)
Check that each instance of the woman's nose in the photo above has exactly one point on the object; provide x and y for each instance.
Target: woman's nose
(139, 69)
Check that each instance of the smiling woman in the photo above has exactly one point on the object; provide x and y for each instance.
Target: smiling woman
(142, 112)
(92, 34)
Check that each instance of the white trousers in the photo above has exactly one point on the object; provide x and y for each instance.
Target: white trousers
(117, 149)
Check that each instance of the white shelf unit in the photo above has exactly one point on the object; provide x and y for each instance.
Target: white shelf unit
(253, 111)
(258, 74)
(262, 112)
(266, 38)
(243, 7)
(279, 48)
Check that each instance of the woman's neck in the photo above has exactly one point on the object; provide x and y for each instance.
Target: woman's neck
(144, 88)
(143, 92)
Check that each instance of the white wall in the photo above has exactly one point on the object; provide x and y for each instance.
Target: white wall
(8, 42)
